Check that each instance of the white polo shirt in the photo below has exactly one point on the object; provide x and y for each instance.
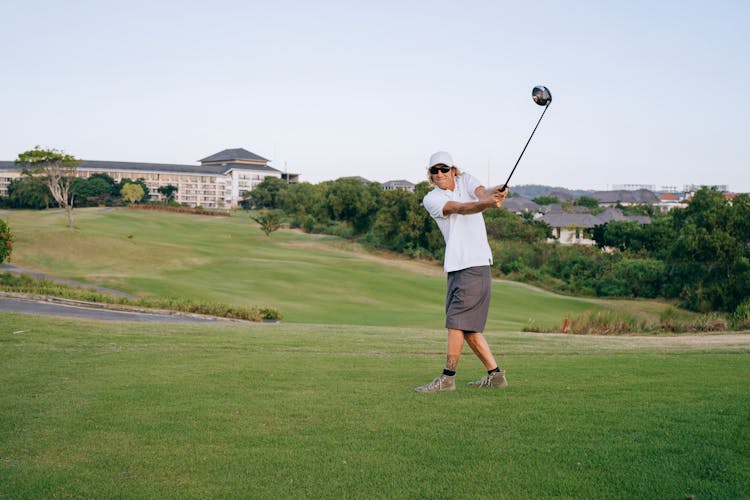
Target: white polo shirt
(465, 235)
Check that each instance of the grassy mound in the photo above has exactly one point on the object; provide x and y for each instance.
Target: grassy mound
(228, 260)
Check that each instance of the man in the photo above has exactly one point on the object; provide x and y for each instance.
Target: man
(456, 203)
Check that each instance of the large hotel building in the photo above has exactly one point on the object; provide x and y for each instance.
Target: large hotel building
(218, 182)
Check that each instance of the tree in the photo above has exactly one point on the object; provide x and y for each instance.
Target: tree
(140, 182)
(269, 221)
(246, 200)
(167, 191)
(709, 262)
(351, 201)
(269, 193)
(587, 201)
(132, 193)
(28, 192)
(546, 200)
(642, 209)
(303, 201)
(503, 225)
(57, 169)
(652, 239)
(95, 190)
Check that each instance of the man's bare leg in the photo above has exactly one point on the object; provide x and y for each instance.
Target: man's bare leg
(455, 345)
(495, 377)
(446, 381)
(480, 347)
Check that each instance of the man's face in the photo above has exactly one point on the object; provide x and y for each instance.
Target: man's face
(443, 176)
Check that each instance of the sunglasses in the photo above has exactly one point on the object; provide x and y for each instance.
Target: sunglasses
(445, 170)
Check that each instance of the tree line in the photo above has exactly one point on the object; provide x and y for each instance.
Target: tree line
(100, 189)
(48, 179)
(698, 255)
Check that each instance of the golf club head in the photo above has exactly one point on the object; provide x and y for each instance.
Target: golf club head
(541, 95)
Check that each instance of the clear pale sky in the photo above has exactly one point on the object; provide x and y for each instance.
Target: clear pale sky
(644, 92)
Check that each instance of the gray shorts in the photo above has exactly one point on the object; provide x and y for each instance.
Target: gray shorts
(467, 302)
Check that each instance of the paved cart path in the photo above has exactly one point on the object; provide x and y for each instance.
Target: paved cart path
(8, 304)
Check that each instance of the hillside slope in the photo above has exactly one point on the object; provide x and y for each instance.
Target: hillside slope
(310, 278)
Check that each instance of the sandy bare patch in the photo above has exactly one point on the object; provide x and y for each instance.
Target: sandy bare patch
(723, 340)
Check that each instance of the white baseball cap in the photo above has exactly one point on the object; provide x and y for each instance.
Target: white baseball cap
(441, 157)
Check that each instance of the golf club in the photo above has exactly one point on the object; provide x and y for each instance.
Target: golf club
(542, 97)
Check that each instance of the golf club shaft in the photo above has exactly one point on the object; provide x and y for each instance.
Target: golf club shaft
(505, 186)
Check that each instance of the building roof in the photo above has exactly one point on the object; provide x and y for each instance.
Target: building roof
(611, 214)
(233, 155)
(158, 167)
(400, 182)
(562, 195)
(570, 220)
(520, 204)
(588, 220)
(637, 196)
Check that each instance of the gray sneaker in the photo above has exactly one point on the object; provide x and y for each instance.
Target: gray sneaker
(496, 379)
(440, 384)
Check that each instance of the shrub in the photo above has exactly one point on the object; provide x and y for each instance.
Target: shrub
(6, 242)
(740, 318)
(673, 321)
(269, 221)
(308, 225)
(632, 278)
(711, 322)
(669, 321)
(534, 327)
(180, 209)
(606, 323)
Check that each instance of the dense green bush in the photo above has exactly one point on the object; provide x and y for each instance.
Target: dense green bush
(513, 256)
(402, 225)
(28, 192)
(6, 242)
(503, 225)
(631, 277)
(708, 263)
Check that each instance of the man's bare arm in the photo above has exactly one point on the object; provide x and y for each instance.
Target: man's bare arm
(492, 198)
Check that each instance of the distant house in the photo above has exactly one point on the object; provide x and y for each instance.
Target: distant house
(625, 198)
(668, 201)
(219, 181)
(575, 229)
(556, 208)
(571, 229)
(730, 196)
(387, 186)
(519, 205)
(669, 197)
(400, 184)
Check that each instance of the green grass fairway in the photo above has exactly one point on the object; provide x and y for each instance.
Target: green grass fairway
(229, 410)
(309, 278)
